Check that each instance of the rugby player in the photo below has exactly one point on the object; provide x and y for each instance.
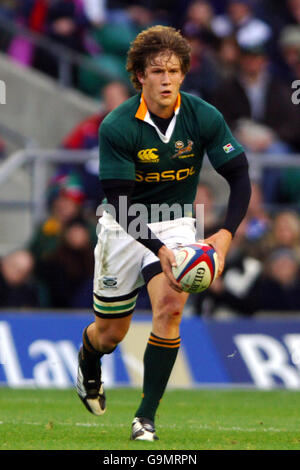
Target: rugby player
(151, 152)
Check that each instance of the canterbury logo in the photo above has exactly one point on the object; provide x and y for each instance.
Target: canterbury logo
(148, 155)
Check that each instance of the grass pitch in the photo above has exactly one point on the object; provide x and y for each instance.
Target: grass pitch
(187, 420)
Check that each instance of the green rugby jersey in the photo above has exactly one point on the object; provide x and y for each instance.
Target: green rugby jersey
(166, 167)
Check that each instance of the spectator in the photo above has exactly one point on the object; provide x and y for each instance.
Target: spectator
(31, 14)
(263, 116)
(284, 233)
(85, 137)
(68, 271)
(259, 96)
(203, 77)
(85, 134)
(258, 138)
(228, 53)
(278, 288)
(58, 20)
(289, 43)
(241, 21)
(66, 203)
(17, 285)
(111, 41)
(66, 24)
(198, 21)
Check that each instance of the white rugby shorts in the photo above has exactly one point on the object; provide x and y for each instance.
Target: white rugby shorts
(123, 265)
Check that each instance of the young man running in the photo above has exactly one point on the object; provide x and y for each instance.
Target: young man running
(151, 152)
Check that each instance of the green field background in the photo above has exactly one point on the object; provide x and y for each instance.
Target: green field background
(187, 420)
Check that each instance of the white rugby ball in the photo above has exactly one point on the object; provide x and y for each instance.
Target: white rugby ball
(197, 267)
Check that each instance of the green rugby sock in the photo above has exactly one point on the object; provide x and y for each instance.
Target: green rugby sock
(90, 357)
(159, 359)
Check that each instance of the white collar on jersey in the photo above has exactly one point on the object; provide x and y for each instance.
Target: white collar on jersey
(144, 115)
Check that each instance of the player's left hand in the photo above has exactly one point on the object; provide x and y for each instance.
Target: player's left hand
(220, 241)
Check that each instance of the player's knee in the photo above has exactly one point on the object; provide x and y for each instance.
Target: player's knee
(109, 343)
(109, 340)
(107, 347)
(169, 311)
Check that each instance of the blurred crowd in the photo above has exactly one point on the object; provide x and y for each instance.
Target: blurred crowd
(55, 270)
(262, 271)
(217, 29)
(245, 57)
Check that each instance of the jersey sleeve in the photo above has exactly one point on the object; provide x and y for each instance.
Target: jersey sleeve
(115, 154)
(221, 144)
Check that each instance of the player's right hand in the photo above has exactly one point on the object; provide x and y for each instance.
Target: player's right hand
(167, 260)
(220, 241)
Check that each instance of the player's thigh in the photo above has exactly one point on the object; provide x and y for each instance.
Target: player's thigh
(174, 234)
